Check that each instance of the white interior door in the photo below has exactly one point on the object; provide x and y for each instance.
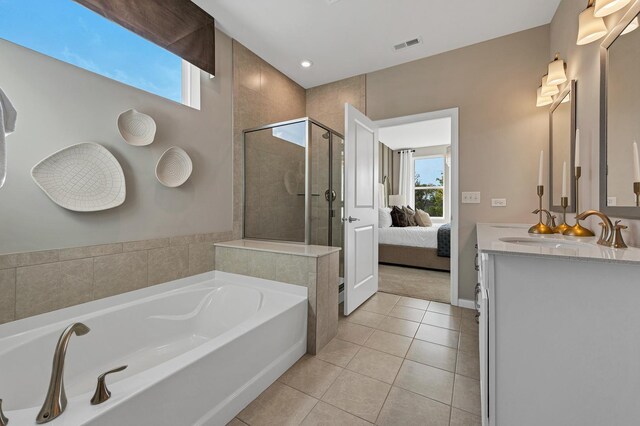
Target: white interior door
(361, 209)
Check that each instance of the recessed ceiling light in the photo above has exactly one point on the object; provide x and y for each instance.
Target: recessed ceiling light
(306, 63)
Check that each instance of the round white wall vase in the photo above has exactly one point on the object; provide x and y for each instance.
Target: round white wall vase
(136, 128)
(174, 167)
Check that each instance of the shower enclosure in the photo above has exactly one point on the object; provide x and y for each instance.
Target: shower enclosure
(293, 183)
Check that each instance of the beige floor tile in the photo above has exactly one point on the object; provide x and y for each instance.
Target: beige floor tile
(338, 352)
(354, 333)
(378, 305)
(444, 308)
(236, 422)
(415, 283)
(466, 394)
(399, 326)
(407, 313)
(407, 408)
(428, 381)
(462, 418)
(442, 320)
(357, 394)
(469, 326)
(324, 414)
(414, 303)
(386, 298)
(370, 319)
(469, 343)
(390, 343)
(467, 313)
(278, 405)
(376, 364)
(311, 376)
(468, 365)
(432, 354)
(438, 335)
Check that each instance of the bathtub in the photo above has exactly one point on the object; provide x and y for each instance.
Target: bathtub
(198, 350)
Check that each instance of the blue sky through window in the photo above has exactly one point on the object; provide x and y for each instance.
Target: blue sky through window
(71, 33)
(429, 169)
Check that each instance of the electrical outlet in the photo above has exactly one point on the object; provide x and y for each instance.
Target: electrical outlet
(498, 202)
(470, 198)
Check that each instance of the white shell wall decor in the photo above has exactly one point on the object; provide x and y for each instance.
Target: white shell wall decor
(136, 128)
(174, 167)
(85, 178)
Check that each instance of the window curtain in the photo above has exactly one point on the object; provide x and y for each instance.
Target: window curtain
(407, 177)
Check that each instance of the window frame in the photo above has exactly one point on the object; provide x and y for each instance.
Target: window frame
(444, 186)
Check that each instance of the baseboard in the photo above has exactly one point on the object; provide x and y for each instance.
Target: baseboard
(464, 303)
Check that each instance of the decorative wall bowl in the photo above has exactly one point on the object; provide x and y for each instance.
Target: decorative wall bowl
(136, 128)
(174, 167)
(85, 178)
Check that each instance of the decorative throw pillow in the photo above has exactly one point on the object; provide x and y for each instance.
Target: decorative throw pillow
(411, 216)
(384, 217)
(399, 217)
(423, 219)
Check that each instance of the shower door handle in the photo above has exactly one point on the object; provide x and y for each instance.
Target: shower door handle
(350, 219)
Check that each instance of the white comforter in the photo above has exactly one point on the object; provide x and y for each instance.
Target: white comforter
(412, 236)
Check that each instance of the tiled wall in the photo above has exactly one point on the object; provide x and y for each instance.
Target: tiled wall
(38, 282)
(326, 103)
(318, 274)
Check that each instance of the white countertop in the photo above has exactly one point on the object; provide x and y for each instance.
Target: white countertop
(493, 238)
(282, 248)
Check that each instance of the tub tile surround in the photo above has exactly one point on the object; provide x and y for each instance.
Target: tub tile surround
(313, 267)
(350, 383)
(34, 283)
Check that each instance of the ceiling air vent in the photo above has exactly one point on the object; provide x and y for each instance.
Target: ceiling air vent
(408, 43)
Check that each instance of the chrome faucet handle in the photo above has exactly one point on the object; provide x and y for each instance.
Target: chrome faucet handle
(4, 421)
(102, 392)
(618, 241)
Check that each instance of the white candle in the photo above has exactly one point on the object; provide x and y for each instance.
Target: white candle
(540, 168)
(577, 159)
(636, 163)
(564, 179)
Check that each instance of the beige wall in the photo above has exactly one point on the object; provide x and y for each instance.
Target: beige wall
(262, 95)
(583, 65)
(326, 103)
(501, 130)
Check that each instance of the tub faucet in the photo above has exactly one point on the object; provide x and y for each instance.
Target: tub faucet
(4, 421)
(56, 400)
(606, 239)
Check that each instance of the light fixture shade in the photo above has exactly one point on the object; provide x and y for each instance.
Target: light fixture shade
(556, 74)
(607, 7)
(590, 28)
(548, 90)
(543, 100)
(631, 27)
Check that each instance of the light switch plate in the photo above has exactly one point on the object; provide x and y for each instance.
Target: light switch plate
(498, 202)
(470, 198)
(612, 201)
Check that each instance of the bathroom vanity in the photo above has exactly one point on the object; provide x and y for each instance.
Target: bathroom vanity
(559, 329)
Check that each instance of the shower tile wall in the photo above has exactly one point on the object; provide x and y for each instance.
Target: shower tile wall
(326, 103)
(261, 95)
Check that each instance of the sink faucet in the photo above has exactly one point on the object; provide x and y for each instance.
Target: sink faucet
(551, 219)
(56, 400)
(607, 233)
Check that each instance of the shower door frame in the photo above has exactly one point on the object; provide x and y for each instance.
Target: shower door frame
(308, 178)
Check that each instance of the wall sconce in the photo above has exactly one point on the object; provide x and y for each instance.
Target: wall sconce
(557, 74)
(548, 90)
(543, 100)
(590, 27)
(607, 7)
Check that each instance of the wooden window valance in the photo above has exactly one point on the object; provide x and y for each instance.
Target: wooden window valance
(179, 26)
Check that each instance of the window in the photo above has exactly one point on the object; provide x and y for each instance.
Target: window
(430, 185)
(74, 34)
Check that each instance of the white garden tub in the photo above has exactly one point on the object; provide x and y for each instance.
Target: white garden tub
(198, 349)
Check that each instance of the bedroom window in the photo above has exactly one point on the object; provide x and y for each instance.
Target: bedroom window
(430, 185)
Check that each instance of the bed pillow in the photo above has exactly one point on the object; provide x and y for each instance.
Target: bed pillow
(399, 217)
(384, 217)
(411, 215)
(423, 219)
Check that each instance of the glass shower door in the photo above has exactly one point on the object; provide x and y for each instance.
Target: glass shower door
(320, 140)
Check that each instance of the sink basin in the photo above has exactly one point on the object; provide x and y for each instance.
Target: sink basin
(546, 242)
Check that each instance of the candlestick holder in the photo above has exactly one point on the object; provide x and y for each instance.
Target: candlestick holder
(636, 190)
(564, 203)
(578, 230)
(540, 227)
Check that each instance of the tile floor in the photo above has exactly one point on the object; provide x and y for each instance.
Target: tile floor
(395, 361)
(415, 282)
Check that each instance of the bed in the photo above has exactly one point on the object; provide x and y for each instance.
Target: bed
(415, 246)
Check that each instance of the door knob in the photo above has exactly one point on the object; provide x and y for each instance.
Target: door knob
(350, 219)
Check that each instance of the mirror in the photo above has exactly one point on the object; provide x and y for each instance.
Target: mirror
(620, 122)
(562, 136)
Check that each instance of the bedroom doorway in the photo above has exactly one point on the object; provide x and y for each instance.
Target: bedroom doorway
(419, 169)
